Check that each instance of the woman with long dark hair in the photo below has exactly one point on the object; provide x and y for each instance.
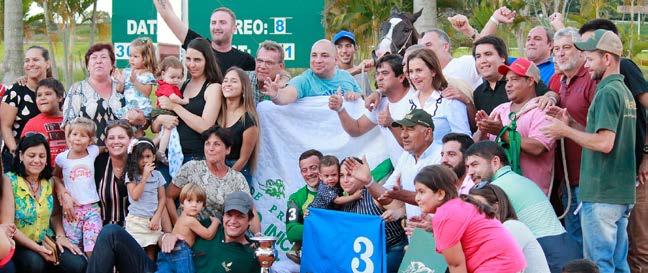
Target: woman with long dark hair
(28, 202)
(465, 230)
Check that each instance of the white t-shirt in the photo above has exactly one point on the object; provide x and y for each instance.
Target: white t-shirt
(535, 257)
(407, 169)
(463, 68)
(78, 175)
(397, 110)
(449, 116)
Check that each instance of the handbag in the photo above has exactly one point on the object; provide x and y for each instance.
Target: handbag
(50, 245)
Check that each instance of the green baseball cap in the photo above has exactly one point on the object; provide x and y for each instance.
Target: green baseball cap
(414, 117)
(602, 40)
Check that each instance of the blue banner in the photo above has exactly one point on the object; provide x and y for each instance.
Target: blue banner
(343, 242)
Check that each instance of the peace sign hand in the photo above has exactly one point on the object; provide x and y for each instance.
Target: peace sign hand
(271, 87)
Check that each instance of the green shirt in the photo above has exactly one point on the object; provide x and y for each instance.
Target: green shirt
(216, 256)
(610, 178)
(297, 203)
(529, 202)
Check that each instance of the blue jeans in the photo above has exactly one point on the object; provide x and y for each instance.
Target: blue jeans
(395, 255)
(559, 250)
(605, 236)
(572, 222)
(8, 268)
(180, 260)
(116, 248)
(26, 260)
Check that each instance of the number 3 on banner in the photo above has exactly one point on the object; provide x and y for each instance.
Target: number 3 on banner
(365, 256)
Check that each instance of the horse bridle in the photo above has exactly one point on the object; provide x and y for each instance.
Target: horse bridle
(391, 41)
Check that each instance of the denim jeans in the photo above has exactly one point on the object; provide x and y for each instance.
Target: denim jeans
(559, 250)
(26, 260)
(116, 248)
(8, 268)
(395, 255)
(572, 222)
(180, 260)
(605, 236)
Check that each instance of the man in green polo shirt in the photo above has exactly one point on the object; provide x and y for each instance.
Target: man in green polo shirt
(309, 166)
(608, 166)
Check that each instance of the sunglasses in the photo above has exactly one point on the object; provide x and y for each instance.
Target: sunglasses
(35, 134)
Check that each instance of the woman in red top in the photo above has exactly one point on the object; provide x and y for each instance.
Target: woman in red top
(465, 230)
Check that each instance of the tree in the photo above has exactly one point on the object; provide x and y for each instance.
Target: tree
(13, 38)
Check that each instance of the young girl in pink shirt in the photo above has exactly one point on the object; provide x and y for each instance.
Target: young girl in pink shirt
(465, 230)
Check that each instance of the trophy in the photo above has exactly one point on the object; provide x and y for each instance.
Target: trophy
(265, 251)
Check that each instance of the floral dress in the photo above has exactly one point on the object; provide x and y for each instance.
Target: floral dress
(134, 98)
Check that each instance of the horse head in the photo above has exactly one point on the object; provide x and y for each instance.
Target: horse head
(397, 33)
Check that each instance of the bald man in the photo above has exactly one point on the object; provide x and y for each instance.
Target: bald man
(322, 79)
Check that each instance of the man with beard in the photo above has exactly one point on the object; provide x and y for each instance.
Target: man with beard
(453, 155)
(608, 169)
(576, 93)
(487, 163)
(345, 43)
(537, 151)
(222, 25)
(309, 167)
(323, 78)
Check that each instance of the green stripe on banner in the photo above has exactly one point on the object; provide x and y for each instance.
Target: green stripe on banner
(382, 170)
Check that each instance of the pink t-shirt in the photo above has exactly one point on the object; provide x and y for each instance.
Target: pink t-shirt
(487, 245)
(536, 168)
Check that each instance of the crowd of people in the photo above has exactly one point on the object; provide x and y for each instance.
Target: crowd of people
(488, 152)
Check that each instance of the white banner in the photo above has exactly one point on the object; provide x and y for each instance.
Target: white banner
(286, 132)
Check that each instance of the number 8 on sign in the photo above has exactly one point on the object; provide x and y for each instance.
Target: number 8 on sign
(364, 256)
(279, 25)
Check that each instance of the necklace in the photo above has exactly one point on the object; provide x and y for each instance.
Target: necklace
(33, 186)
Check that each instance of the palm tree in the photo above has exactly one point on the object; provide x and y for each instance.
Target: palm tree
(13, 40)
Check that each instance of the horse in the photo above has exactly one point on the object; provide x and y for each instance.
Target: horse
(397, 33)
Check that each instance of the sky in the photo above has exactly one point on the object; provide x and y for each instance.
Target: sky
(103, 5)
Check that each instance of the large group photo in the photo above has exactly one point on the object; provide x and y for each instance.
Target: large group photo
(411, 136)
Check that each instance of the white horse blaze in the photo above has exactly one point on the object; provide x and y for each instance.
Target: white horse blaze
(385, 44)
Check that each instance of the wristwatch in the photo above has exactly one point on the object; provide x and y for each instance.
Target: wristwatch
(645, 149)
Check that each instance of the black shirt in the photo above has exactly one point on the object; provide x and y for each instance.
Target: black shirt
(487, 99)
(225, 60)
(190, 140)
(245, 122)
(637, 84)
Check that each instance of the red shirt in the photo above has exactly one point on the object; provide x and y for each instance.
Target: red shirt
(554, 82)
(164, 90)
(50, 127)
(575, 95)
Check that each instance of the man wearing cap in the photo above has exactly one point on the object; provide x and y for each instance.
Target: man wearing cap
(417, 131)
(537, 150)
(323, 78)
(229, 251)
(607, 175)
(576, 93)
(490, 52)
(346, 45)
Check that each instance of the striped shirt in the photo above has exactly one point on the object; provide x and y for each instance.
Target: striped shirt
(113, 194)
(366, 205)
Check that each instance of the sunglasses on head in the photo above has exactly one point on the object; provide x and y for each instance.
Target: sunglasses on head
(35, 134)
